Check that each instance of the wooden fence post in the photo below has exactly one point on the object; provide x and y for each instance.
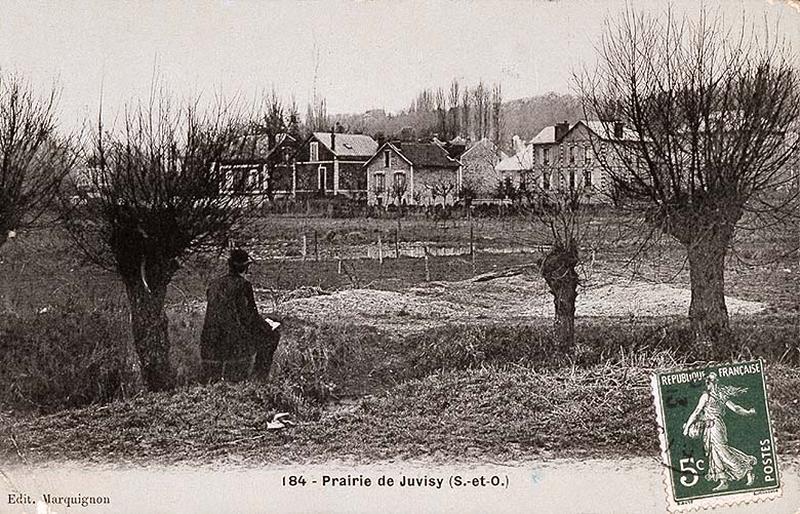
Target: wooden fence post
(380, 249)
(427, 266)
(472, 245)
(305, 247)
(396, 243)
(316, 247)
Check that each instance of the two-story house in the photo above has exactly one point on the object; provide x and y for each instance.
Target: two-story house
(569, 157)
(331, 163)
(412, 173)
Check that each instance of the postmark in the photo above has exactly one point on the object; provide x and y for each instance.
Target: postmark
(716, 438)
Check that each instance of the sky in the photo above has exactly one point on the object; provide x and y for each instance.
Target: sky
(359, 55)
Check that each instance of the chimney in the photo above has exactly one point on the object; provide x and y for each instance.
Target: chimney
(561, 130)
(333, 140)
(516, 144)
(381, 139)
(618, 126)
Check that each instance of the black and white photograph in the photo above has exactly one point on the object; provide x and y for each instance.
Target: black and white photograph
(399, 256)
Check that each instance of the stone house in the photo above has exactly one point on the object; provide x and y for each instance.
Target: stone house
(412, 173)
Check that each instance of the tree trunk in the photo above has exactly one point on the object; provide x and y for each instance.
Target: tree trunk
(707, 311)
(150, 336)
(558, 270)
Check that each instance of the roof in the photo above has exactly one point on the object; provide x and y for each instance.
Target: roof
(354, 145)
(605, 130)
(255, 146)
(428, 155)
(546, 135)
(483, 143)
(602, 129)
(522, 161)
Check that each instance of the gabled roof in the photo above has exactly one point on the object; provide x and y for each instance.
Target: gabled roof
(605, 130)
(351, 145)
(545, 136)
(601, 129)
(522, 161)
(425, 155)
(483, 143)
(428, 155)
(255, 146)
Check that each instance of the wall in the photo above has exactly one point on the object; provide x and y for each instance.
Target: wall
(377, 165)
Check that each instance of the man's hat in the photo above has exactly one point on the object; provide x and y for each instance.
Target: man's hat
(239, 258)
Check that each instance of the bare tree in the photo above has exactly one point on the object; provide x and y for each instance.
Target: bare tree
(708, 112)
(454, 98)
(156, 197)
(441, 187)
(497, 114)
(34, 158)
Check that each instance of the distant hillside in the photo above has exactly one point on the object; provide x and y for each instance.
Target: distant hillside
(525, 117)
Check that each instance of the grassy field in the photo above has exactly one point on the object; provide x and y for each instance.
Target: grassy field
(488, 386)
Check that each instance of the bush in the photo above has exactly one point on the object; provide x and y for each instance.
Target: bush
(327, 361)
(64, 357)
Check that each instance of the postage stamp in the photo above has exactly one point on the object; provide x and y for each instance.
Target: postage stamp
(716, 437)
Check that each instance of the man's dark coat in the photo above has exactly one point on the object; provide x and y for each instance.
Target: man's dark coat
(233, 329)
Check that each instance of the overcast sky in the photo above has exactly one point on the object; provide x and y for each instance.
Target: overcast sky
(360, 55)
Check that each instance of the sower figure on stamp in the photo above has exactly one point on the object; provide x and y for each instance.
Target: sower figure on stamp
(236, 341)
(725, 463)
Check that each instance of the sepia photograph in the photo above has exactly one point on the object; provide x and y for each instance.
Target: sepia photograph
(399, 256)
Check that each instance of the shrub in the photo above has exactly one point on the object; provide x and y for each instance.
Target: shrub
(65, 357)
(327, 361)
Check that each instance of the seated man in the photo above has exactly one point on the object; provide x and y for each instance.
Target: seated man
(235, 338)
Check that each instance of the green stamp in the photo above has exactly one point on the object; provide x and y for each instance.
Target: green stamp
(716, 437)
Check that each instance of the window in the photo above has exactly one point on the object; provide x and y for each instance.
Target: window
(399, 181)
(571, 179)
(546, 158)
(313, 151)
(323, 177)
(240, 178)
(387, 159)
(546, 180)
(587, 178)
(572, 154)
(587, 155)
(380, 182)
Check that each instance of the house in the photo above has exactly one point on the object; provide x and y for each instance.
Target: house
(412, 173)
(569, 156)
(479, 172)
(330, 163)
(260, 167)
(518, 168)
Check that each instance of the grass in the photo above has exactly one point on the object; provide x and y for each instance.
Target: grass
(503, 413)
(477, 391)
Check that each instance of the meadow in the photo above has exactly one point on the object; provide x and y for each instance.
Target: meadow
(404, 358)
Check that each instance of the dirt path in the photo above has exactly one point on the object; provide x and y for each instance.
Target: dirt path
(557, 486)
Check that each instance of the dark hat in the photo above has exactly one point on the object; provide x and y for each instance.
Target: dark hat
(239, 258)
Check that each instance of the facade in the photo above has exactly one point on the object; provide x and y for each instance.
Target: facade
(516, 169)
(330, 163)
(412, 174)
(261, 167)
(479, 168)
(566, 157)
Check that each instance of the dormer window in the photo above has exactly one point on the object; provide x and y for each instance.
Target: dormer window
(313, 151)
(387, 159)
